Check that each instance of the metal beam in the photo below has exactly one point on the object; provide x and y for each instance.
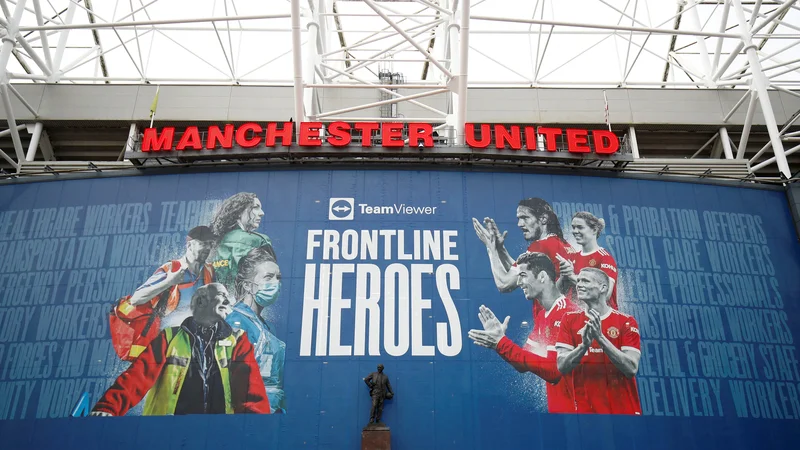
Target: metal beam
(383, 89)
(297, 64)
(600, 26)
(382, 102)
(748, 122)
(462, 78)
(633, 142)
(36, 133)
(43, 34)
(760, 83)
(22, 100)
(708, 142)
(726, 142)
(93, 26)
(723, 23)
(771, 160)
(409, 38)
(96, 37)
(5, 53)
(62, 42)
(693, 17)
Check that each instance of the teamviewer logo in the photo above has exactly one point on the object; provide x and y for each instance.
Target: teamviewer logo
(340, 209)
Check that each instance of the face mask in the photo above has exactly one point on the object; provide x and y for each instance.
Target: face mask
(269, 293)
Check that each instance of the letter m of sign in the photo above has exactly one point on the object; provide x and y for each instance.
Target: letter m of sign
(152, 141)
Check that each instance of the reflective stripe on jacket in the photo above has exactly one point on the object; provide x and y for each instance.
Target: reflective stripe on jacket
(163, 397)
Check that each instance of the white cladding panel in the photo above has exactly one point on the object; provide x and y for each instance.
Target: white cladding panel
(485, 105)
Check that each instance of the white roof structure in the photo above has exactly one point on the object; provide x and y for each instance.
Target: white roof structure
(430, 47)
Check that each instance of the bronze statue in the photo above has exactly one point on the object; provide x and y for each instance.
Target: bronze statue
(379, 389)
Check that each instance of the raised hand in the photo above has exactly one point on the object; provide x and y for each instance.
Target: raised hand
(593, 329)
(493, 330)
(491, 226)
(566, 269)
(176, 277)
(483, 234)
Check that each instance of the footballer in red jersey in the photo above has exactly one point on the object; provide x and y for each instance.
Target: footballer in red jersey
(536, 275)
(599, 351)
(586, 228)
(540, 226)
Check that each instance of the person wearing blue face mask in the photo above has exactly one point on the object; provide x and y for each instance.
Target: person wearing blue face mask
(257, 286)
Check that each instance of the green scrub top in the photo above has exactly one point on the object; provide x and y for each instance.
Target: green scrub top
(233, 247)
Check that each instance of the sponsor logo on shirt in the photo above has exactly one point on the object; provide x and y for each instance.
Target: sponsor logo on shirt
(608, 266)
(635, 330)
(595, 350)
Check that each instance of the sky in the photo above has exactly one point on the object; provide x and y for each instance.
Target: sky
(259, 51)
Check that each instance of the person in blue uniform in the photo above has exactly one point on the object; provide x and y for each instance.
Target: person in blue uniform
(256, 287)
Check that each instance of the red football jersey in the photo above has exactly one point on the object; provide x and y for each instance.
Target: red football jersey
(539, 355)
(599, 259)
(542, 341)
(551, 245)
(597, 384)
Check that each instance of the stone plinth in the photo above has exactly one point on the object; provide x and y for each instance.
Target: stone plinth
(376, 437)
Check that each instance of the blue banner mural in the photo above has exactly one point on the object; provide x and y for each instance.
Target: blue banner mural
(508, 310)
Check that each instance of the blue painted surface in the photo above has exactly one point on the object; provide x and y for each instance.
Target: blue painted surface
(470, 401)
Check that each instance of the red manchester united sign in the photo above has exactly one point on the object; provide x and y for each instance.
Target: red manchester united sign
(253, 135)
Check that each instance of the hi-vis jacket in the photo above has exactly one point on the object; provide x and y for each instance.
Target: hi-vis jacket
(141, 327)
(161, 370)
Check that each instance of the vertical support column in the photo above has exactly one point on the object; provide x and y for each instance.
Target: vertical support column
(5, 54)
(722, 26)
(761, 83)
(463, 64)
(748, 123)
(297, 60)
(36, 133)
(312, 63)
(130, 144)
(324, 33)
(633, 142)
(726, 143)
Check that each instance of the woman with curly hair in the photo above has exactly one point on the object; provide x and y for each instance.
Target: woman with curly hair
(235, 222)
(257, 286)
(586, 228)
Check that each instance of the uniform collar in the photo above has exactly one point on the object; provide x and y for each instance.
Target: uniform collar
(559, 300)
(221, 331)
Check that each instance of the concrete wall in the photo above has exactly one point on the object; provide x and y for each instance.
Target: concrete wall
(265, 103)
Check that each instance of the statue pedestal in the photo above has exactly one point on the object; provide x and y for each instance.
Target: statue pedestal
(376, 436)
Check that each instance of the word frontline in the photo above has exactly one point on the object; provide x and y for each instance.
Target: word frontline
(339, 134)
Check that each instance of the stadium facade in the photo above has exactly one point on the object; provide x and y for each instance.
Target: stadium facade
(550, 264)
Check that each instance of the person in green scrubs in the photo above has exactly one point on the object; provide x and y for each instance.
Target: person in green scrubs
(236, 221)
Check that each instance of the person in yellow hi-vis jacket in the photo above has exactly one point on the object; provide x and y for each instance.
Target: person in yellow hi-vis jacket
(201, 367)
